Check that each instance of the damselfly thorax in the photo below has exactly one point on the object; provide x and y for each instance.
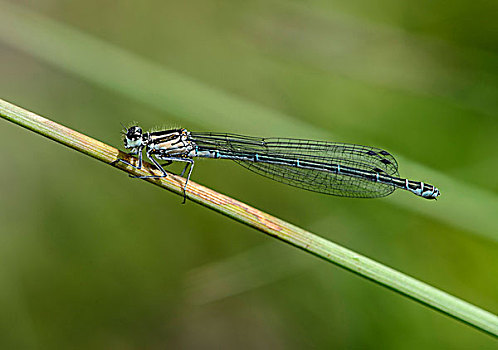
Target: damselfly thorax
(170, 143)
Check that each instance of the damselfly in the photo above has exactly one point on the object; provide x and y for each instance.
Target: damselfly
(334, 168)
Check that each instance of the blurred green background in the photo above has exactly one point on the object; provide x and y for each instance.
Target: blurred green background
(92, 259)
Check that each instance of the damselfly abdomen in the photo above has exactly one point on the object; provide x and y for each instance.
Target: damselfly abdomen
(334, 168)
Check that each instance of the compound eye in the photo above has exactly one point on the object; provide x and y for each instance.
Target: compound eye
(134, 133)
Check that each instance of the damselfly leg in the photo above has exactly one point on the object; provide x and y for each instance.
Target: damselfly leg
(139, 166)
(169, 160)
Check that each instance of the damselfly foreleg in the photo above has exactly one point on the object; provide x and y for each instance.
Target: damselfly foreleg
(139, 166)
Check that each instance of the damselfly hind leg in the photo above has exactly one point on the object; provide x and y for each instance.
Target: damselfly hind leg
(184, 169)
(191, 162)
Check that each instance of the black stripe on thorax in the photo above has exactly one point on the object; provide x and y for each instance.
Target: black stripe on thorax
(166, 135)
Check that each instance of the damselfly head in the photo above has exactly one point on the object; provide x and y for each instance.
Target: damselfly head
(133, 137)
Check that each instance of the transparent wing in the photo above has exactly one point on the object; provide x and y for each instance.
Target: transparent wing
(324, 155)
